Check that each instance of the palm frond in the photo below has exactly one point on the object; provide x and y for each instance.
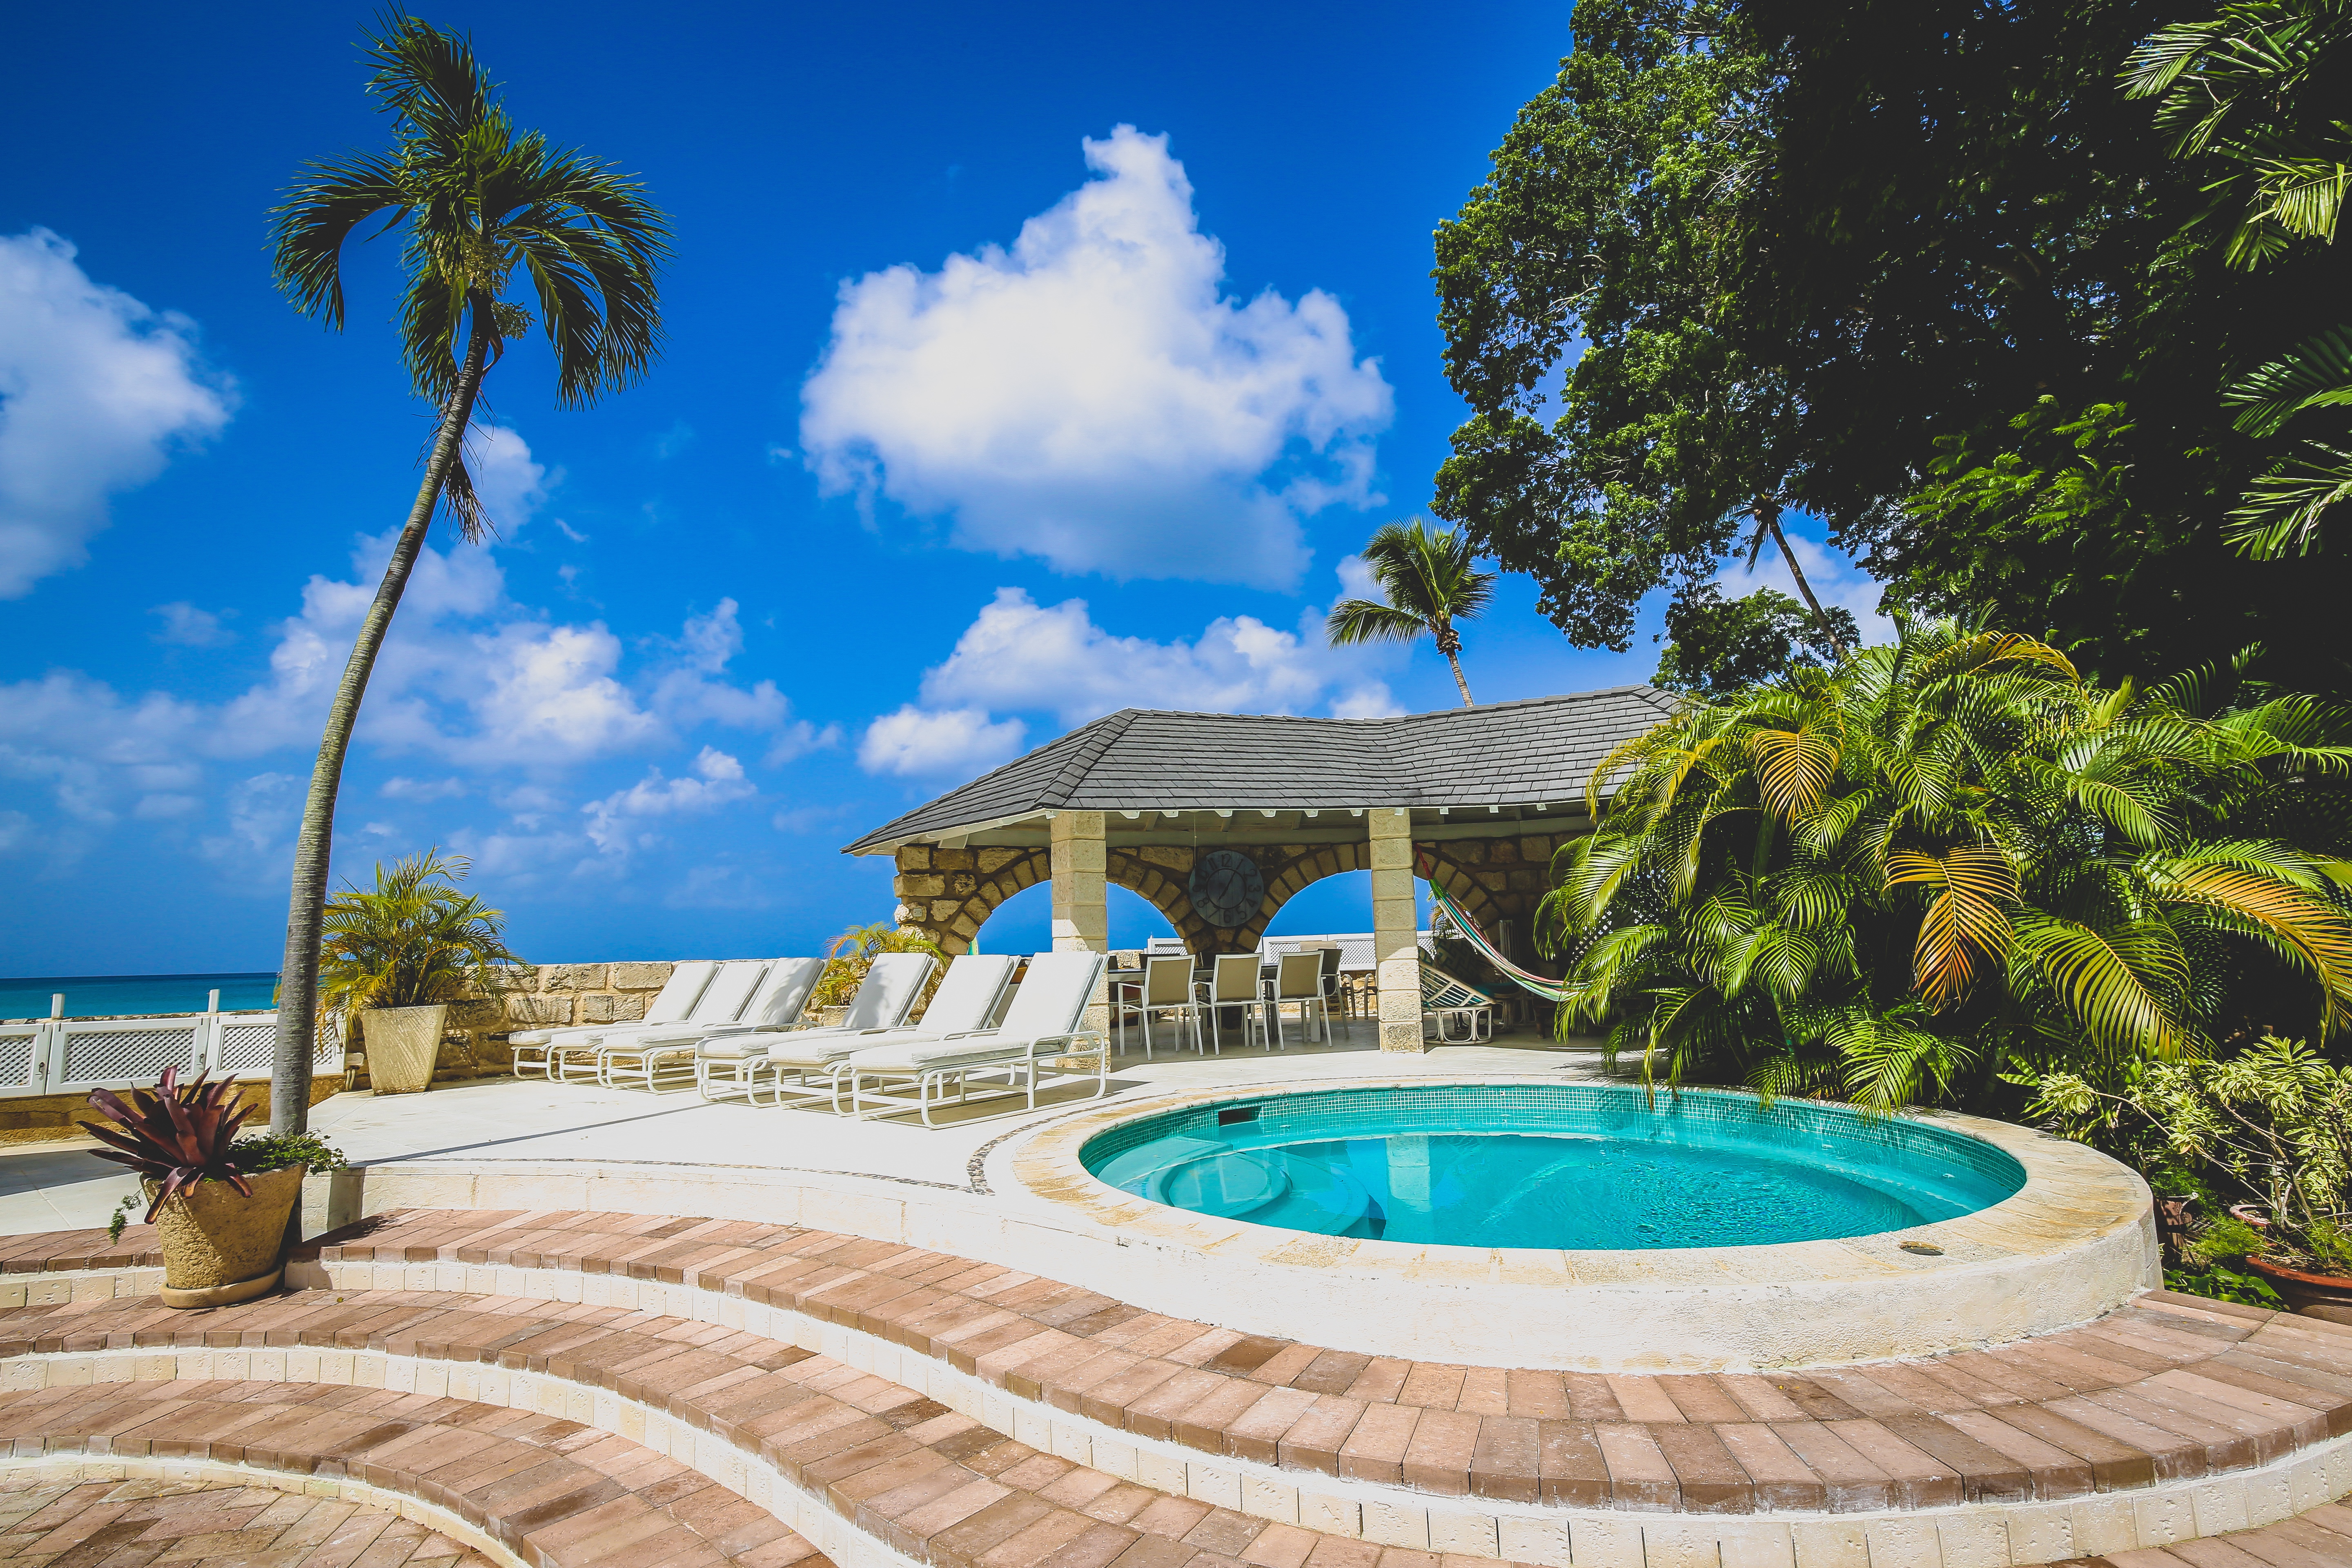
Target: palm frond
(2315, 374)
(2281, 510)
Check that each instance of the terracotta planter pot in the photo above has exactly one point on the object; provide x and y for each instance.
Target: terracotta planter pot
(221, 1246)
(2328, 1296)
(403, 1045)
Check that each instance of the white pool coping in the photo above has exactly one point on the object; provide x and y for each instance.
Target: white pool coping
(2076, 1242)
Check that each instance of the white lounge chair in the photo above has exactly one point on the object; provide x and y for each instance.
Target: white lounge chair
(720, 1062)
(1039, 1034)
(534, 1048)
(1448, 1005)
(721, 1002)
(803, 1064)
(667, 1052)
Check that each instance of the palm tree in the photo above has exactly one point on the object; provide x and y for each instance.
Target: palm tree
(1953, 858)
(477, 200)
(1430, 581)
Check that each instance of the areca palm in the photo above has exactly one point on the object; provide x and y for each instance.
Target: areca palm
(1952, 858)
(2254, 97)
(481, 207)
(1429, 579)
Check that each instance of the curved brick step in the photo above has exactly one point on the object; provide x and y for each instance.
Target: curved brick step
(70, 1523)
(2170, 1389)
(554, 1491)
(900, 1469)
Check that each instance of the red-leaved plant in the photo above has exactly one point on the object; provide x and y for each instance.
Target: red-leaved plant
(175, 1137)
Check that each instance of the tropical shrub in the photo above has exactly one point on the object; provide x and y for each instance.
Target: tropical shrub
(2272, 1124)
(1952, 858)
(849, 955)
(412, 941)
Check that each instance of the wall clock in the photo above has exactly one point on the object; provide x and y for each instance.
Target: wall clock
(1227, 889)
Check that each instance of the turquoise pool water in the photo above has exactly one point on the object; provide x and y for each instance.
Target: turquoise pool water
(1599, 1166)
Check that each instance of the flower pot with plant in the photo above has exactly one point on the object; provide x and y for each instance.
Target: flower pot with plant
(220, 1204)
(394, 957)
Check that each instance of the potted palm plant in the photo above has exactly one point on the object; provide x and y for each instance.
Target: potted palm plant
(396, 955)
(219, 1203)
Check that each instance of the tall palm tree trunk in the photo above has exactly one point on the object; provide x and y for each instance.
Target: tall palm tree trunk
(1455, 660)
(1449, 643)
(298, 975)
(1767, 513)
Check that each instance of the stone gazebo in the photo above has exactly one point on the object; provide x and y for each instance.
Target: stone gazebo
(1218, 819)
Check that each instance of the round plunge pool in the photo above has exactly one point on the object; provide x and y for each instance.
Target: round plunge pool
(1569, 1166)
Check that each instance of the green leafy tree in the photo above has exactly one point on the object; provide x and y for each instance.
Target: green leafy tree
(1427, 582)
(483, 207)
(1594, 270)
(1717, 646)
(2256, 102)
(1951, 857)
(412, 940)
(1965, 246)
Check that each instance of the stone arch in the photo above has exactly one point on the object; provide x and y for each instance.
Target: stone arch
(946, 894)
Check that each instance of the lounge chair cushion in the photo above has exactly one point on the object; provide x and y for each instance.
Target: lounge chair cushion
(922, 1056)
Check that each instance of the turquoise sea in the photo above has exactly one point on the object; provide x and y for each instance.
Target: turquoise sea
(103, 994)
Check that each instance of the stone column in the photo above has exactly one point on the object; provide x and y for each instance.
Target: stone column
(1395, 949)
(1080, 867)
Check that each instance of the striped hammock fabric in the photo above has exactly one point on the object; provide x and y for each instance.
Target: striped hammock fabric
(1526, 979)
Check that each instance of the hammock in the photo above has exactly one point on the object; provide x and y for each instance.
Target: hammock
(1526, 979)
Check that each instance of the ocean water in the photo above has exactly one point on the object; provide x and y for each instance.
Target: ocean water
(100, 996)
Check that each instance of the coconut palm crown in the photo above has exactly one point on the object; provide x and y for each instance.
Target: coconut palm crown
(482, 208)
(1429, 579)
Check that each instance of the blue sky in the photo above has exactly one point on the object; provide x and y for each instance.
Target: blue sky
(1022, 365)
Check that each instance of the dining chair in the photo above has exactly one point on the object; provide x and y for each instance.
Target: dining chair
(1298, 978)
(1233, 982)
(1168, 989)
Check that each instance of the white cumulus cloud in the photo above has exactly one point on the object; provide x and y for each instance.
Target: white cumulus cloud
(1019, 655)
(96, 390)
(717, 780)
(1093, 397)
(913, 742)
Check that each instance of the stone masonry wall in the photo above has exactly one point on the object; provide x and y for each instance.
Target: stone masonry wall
(549, 995)
(946, 894)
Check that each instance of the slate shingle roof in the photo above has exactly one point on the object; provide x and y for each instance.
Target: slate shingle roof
(1141, 758)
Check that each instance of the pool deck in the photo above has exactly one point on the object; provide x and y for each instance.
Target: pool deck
(61, 1186)
(523, 1351)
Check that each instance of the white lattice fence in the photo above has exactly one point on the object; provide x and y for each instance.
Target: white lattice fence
(73, 1055)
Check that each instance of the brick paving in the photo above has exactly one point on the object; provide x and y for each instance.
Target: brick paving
(557, 1492)
(47, 1523)
(2171, 1388)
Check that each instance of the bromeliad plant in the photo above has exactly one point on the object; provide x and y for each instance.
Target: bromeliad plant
(175, 1137)
(1952, 858)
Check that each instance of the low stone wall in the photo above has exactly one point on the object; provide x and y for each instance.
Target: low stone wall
(545, 996)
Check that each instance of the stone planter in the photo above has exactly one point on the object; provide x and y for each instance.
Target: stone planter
(220, 1246)
(2328, 1296)
(403, 1045)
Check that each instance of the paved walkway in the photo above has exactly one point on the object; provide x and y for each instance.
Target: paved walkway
(63, 1188)
(49, 1523)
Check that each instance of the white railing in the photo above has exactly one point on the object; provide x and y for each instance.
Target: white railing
(74, 1056)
